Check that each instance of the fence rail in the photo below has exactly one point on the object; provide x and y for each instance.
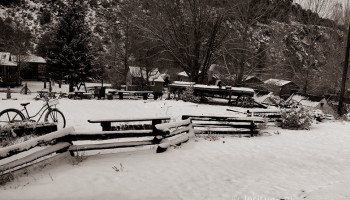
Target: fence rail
(224, 125)
(163, 135)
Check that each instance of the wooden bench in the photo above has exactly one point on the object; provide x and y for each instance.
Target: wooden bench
(107, 123)
(144, 94)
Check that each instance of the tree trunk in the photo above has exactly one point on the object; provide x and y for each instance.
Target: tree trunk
(345, 73)
(71, 85)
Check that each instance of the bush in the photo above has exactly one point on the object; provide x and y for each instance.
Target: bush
(188, 95)
(297, 119)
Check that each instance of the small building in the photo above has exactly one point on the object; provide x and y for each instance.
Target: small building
(182, 76)
(137, 76)
(281, 88)
(253, 82)
(311, 101)
(35, 67)
(9, 71)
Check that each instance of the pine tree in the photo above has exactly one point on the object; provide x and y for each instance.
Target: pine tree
(71, 54)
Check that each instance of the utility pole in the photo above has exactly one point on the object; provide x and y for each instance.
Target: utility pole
(345, 74)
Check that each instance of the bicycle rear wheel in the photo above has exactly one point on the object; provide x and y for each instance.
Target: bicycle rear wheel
(56, 116)
(11, 115)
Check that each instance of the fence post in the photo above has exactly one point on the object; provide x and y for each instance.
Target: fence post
(106, 126)
(252, 127)
(154, 123)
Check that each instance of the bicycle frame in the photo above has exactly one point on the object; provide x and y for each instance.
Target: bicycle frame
(42, 110)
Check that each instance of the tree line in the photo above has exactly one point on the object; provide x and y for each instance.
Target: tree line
(240, 36)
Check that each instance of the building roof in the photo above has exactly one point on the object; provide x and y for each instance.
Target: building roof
(277, 82)
(185, 74)
(141, 72)
(306, 100)
(30, 59)
(5, 59)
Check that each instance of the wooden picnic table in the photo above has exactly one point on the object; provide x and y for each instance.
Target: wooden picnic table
(244, 96)
(44, 93)
(144, 94)
(106, 123)
(78, 94)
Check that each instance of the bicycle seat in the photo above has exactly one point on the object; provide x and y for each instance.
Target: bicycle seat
(25, 104)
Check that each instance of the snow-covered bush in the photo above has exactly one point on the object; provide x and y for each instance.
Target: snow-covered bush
(297, 118)
(188, 95)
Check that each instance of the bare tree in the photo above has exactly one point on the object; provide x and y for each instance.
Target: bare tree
(120, 19)
(309, 64)
(242, 54)
(345, 73)
(189, 32)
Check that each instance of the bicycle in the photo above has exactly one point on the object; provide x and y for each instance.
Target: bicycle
(53, 115)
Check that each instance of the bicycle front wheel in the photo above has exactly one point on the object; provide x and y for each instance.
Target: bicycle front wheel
(11, 115)
(56, 116)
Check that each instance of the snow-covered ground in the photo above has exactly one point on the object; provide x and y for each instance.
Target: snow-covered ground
(290, 165)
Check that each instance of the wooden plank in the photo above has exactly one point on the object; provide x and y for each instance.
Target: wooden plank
(23, 146)
(133, 92)
(168, 126)
(109, 145)
(35, 156)
(224, 118)
(127, 119)
(226, 132)
(223, 125)
(178, 131)
(175, 140)
(103, 135)
(39, 164)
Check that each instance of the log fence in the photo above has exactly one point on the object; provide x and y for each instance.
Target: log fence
(60, 144)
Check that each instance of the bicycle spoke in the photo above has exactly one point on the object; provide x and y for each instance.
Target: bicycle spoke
(53, 117)
(8, 117)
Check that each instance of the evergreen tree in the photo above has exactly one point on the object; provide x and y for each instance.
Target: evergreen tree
(71, 54)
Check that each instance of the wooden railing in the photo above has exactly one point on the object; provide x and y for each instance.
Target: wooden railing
(60, 144)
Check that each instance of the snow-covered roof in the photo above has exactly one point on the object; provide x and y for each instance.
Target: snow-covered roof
(153, 75)
(5, 59)
(30, 59)
(250, 77)
(305, 100)
(185, 74)
(277, 82)
(182, 74)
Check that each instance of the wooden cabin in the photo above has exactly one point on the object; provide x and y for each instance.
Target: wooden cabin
(254, 82)
(35, 67)
(137, 76)
(9, 71)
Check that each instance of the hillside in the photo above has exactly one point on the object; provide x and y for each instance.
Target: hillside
(287, 46)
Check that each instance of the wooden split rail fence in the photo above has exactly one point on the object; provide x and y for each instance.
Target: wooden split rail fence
(224, 125)
(60, 144)
(57, 145)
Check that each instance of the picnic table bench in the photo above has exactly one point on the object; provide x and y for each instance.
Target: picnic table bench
(44, 93)
(144, 94)
(106, 123)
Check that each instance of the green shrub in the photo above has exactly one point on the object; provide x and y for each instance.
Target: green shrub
(297, 119)
(188, 95)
